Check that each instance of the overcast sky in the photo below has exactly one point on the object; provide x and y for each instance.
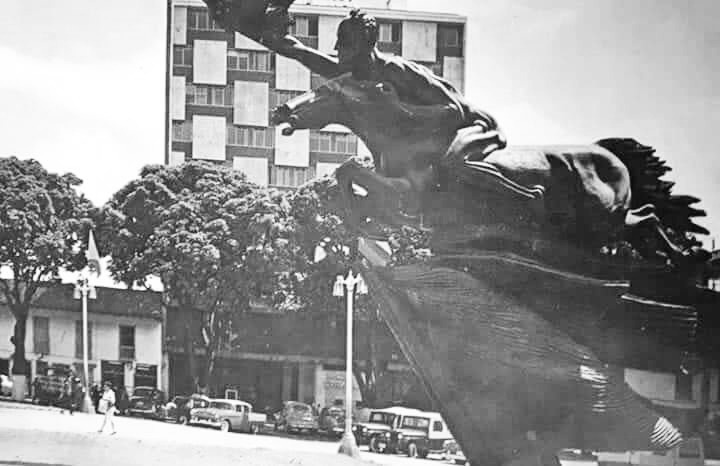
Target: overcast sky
(82, 81)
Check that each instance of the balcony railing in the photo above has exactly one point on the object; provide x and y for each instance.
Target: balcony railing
(127, 352)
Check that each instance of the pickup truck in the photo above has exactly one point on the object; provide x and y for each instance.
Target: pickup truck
(229, 416)
(689, 453)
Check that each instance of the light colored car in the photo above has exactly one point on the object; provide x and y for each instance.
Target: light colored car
(6, 385)
(229, 415)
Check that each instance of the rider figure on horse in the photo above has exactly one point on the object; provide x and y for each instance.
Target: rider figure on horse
(415, 84)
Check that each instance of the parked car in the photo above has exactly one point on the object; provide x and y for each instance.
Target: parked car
(376, 431)
(229, 415)
(178, 409)
(454, 453)
(6, 385)
(296, 417)
(146, 401)
(690, 452)
(332, 421)
(420, 434)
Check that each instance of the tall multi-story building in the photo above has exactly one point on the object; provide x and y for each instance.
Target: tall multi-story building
(221, 90)
(222, 86)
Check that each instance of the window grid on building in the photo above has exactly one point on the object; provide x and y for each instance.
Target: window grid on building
(79, 340)
(449, 36)
(333, 143)
(389, 33)
(41, 335)
(290, 177)
(199, 20)
(182, 56)
(304, 26)
(182, 131)
(216, 96)
(279, 97)
(250, 60)
(127, 342)
(249, 136)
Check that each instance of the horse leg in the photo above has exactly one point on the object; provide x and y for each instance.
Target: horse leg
(379, 196)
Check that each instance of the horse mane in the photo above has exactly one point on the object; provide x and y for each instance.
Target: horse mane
(648, 187)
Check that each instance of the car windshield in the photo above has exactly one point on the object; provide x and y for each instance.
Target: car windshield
(143, 391)
(382, 418)
(221, 405)
(421, 423)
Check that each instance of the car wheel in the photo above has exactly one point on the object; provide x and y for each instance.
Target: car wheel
(254, 429)
(422, 454)
(182, 420)
(225, 426)
(374, 445)
(412, 451)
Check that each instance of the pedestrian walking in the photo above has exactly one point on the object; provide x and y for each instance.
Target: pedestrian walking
(107, 407)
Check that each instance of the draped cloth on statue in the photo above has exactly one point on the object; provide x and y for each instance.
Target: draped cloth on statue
(506, 378)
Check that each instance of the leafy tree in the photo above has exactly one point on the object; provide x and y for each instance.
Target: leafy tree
(319, 221)
(43, 227)
(215, 241)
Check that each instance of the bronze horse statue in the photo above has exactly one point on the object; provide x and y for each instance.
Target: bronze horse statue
(522, 358)
(582, 195)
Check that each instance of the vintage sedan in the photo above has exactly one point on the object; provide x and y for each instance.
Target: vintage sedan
(296, 417)
(146, 402)
(178, 409)
(229, 416)
(332, 421)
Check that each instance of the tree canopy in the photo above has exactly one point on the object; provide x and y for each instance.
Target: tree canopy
(44, 223)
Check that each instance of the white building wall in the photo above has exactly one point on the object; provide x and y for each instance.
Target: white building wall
(254, 168)
(176, 158)
(419, 41)
(177, 98)
(292, 151)
(105, 335)
(291, 75)
(327, 33)
(454, 71)
(251, 106)
(245, 43)
(209, 62)
(209, 136)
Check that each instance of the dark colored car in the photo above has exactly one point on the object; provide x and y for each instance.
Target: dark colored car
(376, 431)
(332, 421)
(296, 417)
(147, 402)
(178, 409)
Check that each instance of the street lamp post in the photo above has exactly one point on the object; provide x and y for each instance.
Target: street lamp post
(348, 286)
(83, 291)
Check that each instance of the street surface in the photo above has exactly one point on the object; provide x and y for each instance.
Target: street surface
(40, 436)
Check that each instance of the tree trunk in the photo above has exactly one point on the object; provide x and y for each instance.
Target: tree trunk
(193, 375)
(20, 364)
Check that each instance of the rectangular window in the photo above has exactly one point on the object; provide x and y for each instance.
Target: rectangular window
(683, 387)
(279, 97)
(305, 26)
(182, 56)
(389, 32)
(450, 36)
(127, 342)
(250, 60)
(246, 136)
(334, 143)
(199, 19)
(182, 131)
(79, 339)
(291, 177)
(209, 95)
(41, 335)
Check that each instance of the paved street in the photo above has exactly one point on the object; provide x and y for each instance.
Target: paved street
(34, 436)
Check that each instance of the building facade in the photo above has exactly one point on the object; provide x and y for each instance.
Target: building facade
(222, 87)
(125, 334)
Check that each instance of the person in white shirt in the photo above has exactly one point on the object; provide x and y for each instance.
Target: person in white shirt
(107, 405)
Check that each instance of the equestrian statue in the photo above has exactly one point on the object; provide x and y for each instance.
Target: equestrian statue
(518, 325)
